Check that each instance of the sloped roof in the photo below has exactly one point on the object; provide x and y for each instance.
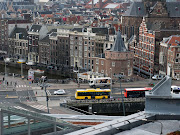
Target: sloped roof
(45, 39)
(22, 31)
(36, 28)
(173, 40)
(118, 45)
(173, 9)
(135, 9)
(112, 5)
(100, 30)
(138, 9)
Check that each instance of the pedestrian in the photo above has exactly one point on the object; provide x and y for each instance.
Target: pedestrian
(3, 78)
(7, 83)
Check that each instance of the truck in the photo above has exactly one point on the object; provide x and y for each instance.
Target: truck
(100, 82)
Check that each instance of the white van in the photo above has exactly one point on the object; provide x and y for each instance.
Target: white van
(100, 82)
(158, 77)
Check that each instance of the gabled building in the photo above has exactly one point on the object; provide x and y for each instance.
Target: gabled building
(18, 43)
(44, 51)
(36, 33)
(144, 51)
(146, 47)
(164, 15)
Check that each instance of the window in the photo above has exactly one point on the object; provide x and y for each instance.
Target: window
(113, 64)
(102, 62)
(176, 60)
(85, 42)
(97, 61)
(177, 55)
(129, 72)
(128, 64)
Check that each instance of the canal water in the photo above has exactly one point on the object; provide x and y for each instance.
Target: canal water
(25, 72)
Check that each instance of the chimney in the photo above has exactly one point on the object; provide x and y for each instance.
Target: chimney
(100, 4)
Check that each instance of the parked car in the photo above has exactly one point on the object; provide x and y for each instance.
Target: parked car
(158, 77)
(59, 92)
(155, 77)
(50, 67)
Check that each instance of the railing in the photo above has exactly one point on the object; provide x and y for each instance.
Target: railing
(33, 115)
(75, 109)
(106, 100)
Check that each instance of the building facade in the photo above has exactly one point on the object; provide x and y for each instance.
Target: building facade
(18, 44)
(173, 61)
(117, 60)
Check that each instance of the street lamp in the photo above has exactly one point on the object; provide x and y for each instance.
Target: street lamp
(155, 121)
(45, 85)
(111, 79)
(5, 74)
(77, 74)
(120, 77)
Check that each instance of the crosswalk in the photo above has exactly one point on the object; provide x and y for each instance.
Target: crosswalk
(48, 93)
(39, 107)
(22, 86)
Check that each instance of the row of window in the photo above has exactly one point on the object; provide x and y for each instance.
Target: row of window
(93, 93)
(90, 43)
(146, 39)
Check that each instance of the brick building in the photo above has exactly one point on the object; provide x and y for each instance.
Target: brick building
(165, 15)
(63, 48)
(144, 51)
(146, 47)
(117, 60)
(173, 58)
(44, 51)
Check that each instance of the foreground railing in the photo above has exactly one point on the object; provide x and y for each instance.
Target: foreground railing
(107, 100)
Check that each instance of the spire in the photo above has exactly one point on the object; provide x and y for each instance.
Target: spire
(118, 45)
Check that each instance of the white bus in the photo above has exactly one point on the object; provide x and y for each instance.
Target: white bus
(100, 82)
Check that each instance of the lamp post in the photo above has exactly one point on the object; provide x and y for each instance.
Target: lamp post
(155, 121)
(120, 77)
(5, 75)
(5, 68)
(21, 70)
(77, 75)
(150, 64)
(45, 86)
(111, 79)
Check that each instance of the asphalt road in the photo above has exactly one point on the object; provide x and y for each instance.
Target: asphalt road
(26, 91)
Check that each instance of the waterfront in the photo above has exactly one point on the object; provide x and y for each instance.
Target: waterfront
(17, 70)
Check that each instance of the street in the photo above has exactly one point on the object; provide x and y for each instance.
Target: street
(32, 94)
